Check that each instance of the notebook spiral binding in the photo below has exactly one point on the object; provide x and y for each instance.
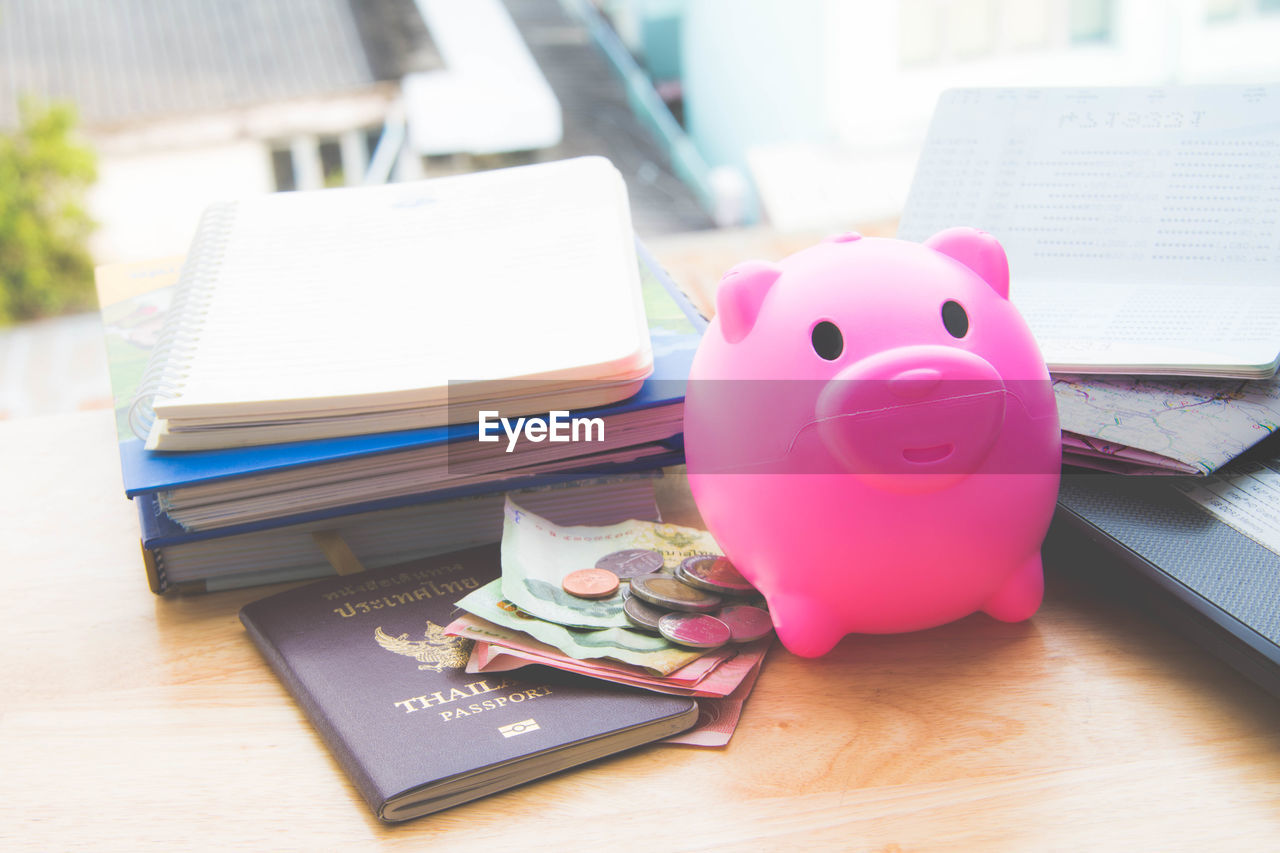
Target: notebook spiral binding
(167, 366)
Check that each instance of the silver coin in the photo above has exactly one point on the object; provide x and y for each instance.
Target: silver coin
(714, 574)
(745, 622)
(665, 591)
(696, 630)
(642, 614)
(631, 562)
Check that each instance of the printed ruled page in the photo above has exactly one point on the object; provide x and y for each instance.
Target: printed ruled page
(383, 295)
(1142, 224)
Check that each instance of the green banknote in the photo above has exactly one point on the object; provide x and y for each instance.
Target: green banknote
(621, 644)
(536, 555)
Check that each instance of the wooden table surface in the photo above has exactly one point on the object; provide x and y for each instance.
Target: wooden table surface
(128, 720)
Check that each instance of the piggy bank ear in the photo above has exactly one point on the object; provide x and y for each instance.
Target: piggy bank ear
(740, 294)
(978, 251)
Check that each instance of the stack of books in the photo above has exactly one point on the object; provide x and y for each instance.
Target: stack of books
(359, 374)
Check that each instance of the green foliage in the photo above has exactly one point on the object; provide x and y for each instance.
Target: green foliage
(45, 266)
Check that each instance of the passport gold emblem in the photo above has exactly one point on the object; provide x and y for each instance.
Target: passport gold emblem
(513, 729)
(436, 652)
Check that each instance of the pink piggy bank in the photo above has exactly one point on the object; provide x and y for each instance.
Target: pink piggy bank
(872, 437)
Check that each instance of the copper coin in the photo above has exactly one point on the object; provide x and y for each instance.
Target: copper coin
(696, 630)
(590, 583)
(714, 574)
(745, 622)
(641, 614)
(663, 590)
(631, 562)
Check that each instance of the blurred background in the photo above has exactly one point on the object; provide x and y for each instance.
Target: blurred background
(743, 127)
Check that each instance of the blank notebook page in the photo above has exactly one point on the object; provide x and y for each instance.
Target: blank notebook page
(378, 297)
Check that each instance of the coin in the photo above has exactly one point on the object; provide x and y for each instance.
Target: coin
(665, 591)
(641, 613)
(745, 622)
(631, 562)
(590, 583)
(696, 630)
(714, 574)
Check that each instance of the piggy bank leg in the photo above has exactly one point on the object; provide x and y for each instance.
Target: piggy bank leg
(1020, 596)
(804, 627)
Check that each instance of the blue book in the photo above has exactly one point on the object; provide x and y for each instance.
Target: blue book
(158, 529)
(134, 298)
(200, 563)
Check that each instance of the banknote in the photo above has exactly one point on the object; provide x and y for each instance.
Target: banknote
(648, 651)
(717, 714)
(536, 555)
(718, 718)
(724, 680)
(503, 642)
(488, 658)
(499, 649)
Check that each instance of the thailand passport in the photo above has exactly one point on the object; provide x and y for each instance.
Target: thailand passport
(366, 658)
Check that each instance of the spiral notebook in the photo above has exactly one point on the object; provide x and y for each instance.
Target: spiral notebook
(368, 309)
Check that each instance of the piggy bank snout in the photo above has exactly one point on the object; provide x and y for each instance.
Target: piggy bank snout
(915, 383)
(918, 410)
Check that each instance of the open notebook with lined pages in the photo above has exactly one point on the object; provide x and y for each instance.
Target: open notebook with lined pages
(1142, 224)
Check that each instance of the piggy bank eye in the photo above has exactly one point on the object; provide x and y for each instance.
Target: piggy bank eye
(955, 319)
(827, 340)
